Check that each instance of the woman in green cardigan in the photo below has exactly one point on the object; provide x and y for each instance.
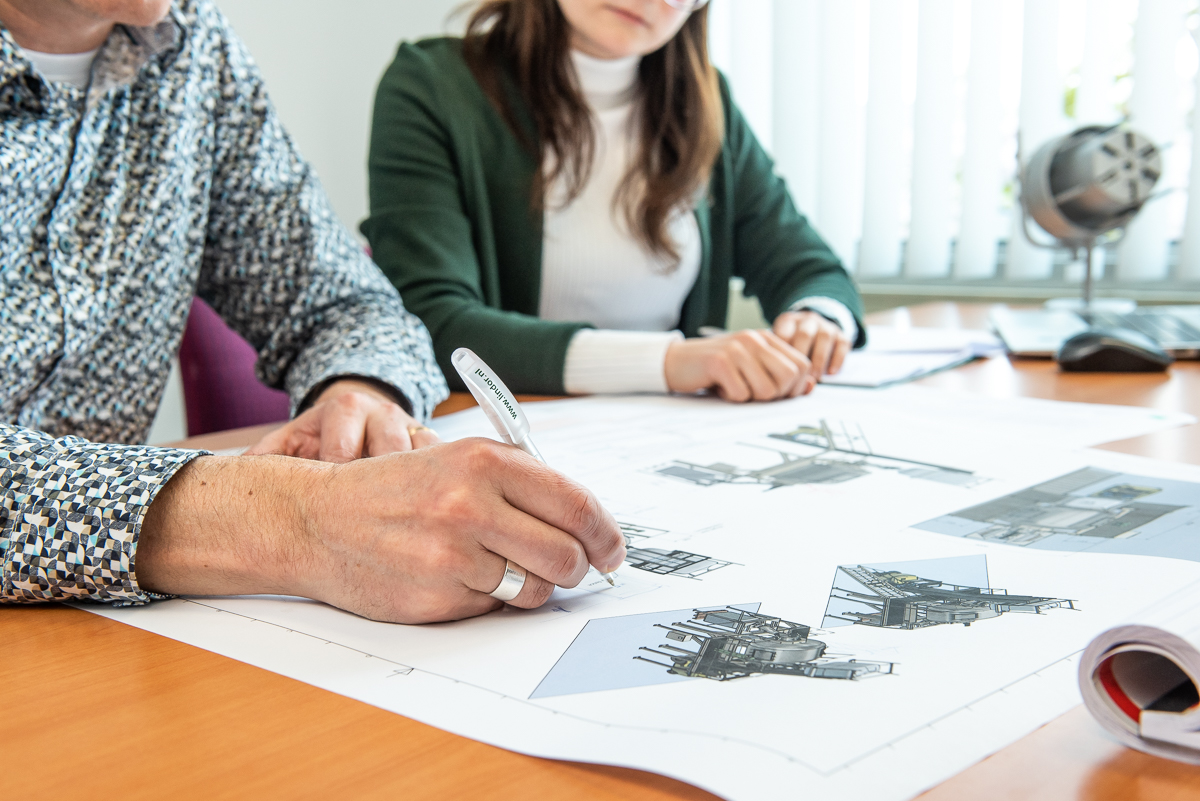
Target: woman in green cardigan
(568, 189)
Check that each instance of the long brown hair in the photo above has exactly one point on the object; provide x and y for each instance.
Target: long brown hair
(679, 113)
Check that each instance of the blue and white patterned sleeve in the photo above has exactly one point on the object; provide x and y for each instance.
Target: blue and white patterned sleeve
(284, 272)
(70, 515)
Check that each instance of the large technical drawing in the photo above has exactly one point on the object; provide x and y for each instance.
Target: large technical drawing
(841, 453)
(1112, 511)
(893, 597)
(562, 681)
(732, 643)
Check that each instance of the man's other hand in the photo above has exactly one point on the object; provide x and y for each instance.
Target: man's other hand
(350, 420)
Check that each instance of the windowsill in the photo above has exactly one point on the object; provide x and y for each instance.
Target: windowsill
(993, 289)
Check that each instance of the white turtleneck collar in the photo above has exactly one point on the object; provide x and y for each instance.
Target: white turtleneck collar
(73, 68)
(606, 83)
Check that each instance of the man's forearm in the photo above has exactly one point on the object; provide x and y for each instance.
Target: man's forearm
(409, 538)
(226, 526)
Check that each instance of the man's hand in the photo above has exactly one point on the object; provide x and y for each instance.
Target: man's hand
(408, 538)
(746, 366)
(822, 341)
(351, 419)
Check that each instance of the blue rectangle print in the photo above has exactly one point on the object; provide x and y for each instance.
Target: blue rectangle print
(1091, 510)
(602, 656)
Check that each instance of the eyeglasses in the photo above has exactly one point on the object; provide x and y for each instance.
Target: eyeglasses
(686, 5)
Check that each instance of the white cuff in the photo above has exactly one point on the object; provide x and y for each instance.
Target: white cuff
(610, 362)
(832, 310)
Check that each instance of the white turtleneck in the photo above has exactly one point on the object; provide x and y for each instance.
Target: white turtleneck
(72, 68)
(594, 270)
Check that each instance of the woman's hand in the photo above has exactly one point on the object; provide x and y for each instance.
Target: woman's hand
(746, 366)
(822, 341)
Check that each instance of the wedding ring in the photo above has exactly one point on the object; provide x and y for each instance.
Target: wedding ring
(511, 584)
(414, 430)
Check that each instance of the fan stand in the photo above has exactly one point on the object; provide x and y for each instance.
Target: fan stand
(1088, 302)
(1087, 274)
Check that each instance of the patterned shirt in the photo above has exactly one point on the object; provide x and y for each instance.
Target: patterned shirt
(170, 176)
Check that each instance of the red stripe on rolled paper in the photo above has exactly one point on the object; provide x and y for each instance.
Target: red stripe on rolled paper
(1109, 682)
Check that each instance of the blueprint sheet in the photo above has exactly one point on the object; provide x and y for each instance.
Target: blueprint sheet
(797, 619)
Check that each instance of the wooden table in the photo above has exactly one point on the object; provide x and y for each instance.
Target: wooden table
(92, 707)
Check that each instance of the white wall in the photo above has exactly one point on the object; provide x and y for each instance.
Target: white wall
(170, 423)
(322, 61)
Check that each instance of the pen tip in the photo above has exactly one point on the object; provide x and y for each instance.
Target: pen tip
(609, 578)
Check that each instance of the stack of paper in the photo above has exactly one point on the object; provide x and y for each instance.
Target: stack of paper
(895, 355)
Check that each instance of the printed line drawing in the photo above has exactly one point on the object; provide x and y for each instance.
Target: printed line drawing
(633, 532)
(1056, 507)
(734, 643)
(894, 596)
(842, 454)
(661, 561)
(672, 563)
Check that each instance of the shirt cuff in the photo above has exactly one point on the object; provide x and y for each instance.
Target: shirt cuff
(73, 513)
(833, 310)
(610, 362)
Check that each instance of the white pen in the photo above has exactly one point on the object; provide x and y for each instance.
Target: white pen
(500, 406)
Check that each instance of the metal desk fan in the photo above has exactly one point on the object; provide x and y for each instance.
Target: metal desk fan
(1083, 185)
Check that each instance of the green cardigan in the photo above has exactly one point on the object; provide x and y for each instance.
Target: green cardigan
(453, 226)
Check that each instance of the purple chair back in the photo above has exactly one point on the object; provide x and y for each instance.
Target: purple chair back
(220, 388)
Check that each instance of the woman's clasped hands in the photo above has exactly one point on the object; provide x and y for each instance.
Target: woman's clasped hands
(759, 365)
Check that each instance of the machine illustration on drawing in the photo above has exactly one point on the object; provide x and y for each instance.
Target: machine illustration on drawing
(662, 561)
(1069, 505)
(732, 643)
(898, 596)
(717, 643)
(837, 453)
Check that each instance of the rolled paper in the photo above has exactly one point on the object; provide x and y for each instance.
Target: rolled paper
(1141, 680)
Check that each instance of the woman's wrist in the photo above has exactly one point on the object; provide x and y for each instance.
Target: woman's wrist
(606, 361)
(683, 367)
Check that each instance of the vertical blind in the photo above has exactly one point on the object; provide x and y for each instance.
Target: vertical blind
(896, 123)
